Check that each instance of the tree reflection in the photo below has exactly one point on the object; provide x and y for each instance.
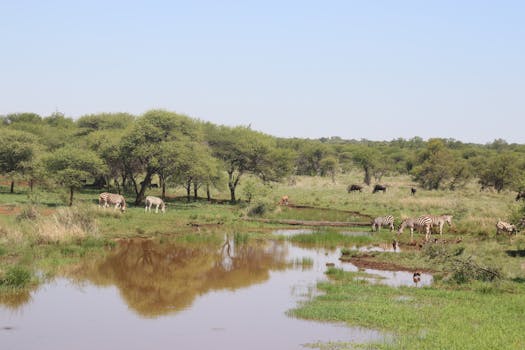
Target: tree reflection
(156, 279)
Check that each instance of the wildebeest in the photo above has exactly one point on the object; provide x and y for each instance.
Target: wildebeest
(150, 185)
(378, 188)
(352, 188)
(413, 191)
(284, 200)
(521, 195)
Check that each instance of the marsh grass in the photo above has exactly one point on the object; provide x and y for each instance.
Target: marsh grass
(331, 239)
(15, 278)
(305, 261)
(423, 318)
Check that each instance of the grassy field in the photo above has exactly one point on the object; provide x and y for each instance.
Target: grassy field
(476, 300)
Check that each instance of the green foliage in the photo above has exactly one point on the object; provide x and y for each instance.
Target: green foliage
(501, 171)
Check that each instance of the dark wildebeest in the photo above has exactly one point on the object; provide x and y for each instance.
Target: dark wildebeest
(413, 191)
(521, 195)
(378, 188)
(352, 188)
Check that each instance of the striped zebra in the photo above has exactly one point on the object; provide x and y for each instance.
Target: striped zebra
(505, 227)
(383, 221)
(152, 200)
(106, 199)
(418, 223)
(440, 220)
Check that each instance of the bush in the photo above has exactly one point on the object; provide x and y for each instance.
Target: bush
(27, 213)
(259, 209)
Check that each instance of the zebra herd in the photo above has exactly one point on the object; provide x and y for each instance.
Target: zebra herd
(426, 222)
(106, 199)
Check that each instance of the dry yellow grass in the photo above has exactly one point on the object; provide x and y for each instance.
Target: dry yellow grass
(473, 211)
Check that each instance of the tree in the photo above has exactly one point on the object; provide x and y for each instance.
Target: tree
(367, 159)
(501, 171)
(17, 151)
(145, 143)
(68, 166)
(435, 165)
(245, 151)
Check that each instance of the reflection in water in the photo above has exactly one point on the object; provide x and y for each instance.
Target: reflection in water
(156, 279)
(209, 296)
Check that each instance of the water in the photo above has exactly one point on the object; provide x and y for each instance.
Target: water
(144, 295)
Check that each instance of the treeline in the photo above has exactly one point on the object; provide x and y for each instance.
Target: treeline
(125, 152)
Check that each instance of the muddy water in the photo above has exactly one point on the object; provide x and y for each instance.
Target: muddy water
(145, 295)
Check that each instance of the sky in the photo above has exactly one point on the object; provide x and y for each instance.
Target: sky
(376, 70)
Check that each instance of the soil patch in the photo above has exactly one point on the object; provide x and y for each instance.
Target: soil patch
(368, 262)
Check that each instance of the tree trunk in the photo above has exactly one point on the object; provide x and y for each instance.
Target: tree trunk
(232, 184)
(12, 186)
(195, 191)
(71, 189)
(208, 194)
(145, 184)
(367, 176)
(188, 190)
(232, 193)
(31, 182)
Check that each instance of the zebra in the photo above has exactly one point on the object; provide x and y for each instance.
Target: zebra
(505, 227)
(440, 220)
(152, 200)
(105, 199)
(420, 222)
(383, 221)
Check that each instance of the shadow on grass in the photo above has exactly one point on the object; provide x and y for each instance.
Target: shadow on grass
(519, 280)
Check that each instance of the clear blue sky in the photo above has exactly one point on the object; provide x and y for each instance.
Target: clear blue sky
(355, 69)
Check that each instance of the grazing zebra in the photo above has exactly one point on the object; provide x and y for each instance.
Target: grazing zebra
(413, 191)
(352, 188)
(505, 227)
(105, 199)
(419, 223)
(152, 200)
(383, 221)
(378, 188)
(440, 220)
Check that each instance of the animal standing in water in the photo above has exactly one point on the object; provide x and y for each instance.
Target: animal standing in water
(417, 277)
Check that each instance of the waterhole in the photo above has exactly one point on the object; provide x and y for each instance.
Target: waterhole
(185, 296)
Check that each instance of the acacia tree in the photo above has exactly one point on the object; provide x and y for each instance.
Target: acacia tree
(145, 142)
(501, 171)
(67, 166)
(435, 165)
(367, 159)
(243, 150)
(17, 151)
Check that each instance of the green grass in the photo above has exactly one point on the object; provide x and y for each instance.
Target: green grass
(424, 318)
